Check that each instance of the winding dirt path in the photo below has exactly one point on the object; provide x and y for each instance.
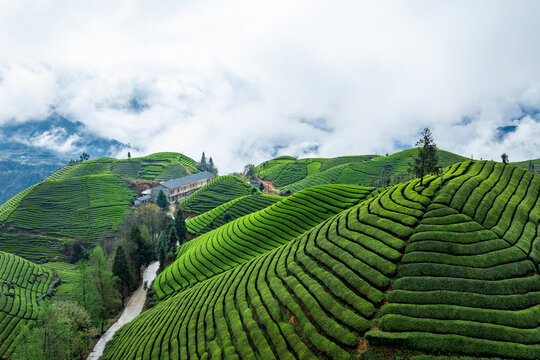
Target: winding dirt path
(133, 308)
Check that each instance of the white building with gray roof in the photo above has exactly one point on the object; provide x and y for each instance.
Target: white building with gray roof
(179, 189)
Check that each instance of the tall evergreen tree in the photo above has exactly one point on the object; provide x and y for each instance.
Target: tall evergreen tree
(85, 293)
(162, 201)
(143, 254)
(211, 167)
(180, 226)
(249, 170)
(163, 249)
(104, 282)
(425, 161)
(504, 158)
(172, 240)
(203, 166)
(129, 155)
(122, 271)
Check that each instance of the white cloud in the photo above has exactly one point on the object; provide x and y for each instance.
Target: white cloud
(234, 78)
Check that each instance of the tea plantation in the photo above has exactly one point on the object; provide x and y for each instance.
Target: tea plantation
(82, 200)
(295, 175)
(217, 192)
(161, 166)
(229, 211)
(286, 170)
(84, 206)
(447, 268)
(22, 285)
(254, 234)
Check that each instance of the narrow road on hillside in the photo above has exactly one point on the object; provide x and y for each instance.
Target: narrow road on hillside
(133, 308)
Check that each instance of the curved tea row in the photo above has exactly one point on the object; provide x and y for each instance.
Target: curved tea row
(236, 208)
(254, 234)
(467, 281)
(217, 192)
(22, 283)
(312, 297)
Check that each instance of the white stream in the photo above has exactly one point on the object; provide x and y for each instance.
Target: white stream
(133, 308)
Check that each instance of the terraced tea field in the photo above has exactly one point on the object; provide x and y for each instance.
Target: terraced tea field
(34, 247)
(446, 271)
(251, 235)
(22, 284)
(286, 170)
(229, 211)
(469, 278)
(217, 192)
(158, 166)
(85, 206)
(358, 170)
(80, 200)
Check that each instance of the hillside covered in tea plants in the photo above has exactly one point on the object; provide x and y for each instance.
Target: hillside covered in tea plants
(449, 267)
(291, 174)
(23, 285)
(82, 200)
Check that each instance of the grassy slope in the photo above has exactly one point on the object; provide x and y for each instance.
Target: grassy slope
(217, 192)
(251, 235)
(69, 275)
(235, 208)
(467, 283)
(19, 302)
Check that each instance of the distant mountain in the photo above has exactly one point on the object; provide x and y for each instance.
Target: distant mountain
(33, 150)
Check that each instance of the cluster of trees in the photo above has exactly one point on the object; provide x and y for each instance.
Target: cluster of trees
(108, 273)
(207, 165)
(170, 238)
(97, 290)
(64, 328)
(83, 157)
(249, 171)
(62, 332)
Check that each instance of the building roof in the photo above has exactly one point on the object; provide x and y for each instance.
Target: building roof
(171, 184)
(145, 197)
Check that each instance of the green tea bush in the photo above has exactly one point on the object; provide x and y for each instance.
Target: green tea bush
(22, 284)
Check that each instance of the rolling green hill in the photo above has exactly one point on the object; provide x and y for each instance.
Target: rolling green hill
(55, 211)
(82, 200)
(286, 170)
(158, 166)
(216, 192)
(451, 270)
(229, 211)
(368, 170)
(251, 235)
(22, 285)
(525, 165)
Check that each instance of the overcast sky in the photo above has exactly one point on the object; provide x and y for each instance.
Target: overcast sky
(248, 80)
